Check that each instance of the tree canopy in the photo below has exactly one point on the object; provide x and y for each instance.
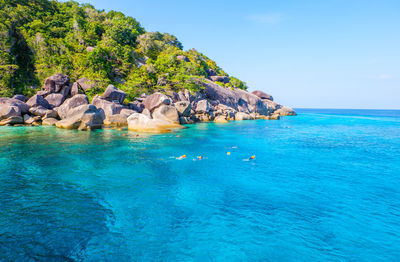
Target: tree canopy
(40, 37)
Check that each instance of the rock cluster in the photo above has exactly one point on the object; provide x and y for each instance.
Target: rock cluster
(65, 105)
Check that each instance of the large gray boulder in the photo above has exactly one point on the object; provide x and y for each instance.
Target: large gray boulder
(262, 95)
(118, 120)
(255, 104)
(10, 107)
(182, 96)
(55, 83)
(114, 94)
(83, 117)
(49, 121)
(55, 100)
(127, 112)
(37, 100)
(71, 103)
(184, 120)
(85, 83)
(272, 106)
(43, 112)
(13, 120)
(21, 98)
(183, 107)
(202, 107)
(137, 106)
(223, 79)
(142, 123)
(76, 89)
(155, 100)
(243, 116)
(285, 111)
(221, 119)
(167, 113)
(107, 108)
(238, 99)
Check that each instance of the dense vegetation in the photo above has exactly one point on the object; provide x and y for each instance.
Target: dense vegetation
(40, 37)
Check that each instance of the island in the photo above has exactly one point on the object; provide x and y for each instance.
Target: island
(71, 66)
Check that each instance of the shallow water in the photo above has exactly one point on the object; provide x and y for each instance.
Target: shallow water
(324, 185)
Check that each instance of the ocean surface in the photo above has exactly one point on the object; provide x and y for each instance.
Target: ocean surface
(324, 186)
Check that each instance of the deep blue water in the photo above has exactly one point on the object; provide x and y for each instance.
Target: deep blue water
(324, 186)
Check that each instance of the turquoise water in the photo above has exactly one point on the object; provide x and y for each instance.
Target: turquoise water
(324, 186)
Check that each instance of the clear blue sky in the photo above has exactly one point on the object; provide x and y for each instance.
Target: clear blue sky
(326, 54)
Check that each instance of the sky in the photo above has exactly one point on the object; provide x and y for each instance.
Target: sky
(306, 54)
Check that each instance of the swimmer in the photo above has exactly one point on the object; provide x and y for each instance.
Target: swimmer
(181, 157)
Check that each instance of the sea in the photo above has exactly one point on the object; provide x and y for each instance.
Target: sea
(320, 186)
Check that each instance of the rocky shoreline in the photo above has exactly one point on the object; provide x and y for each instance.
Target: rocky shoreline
(65, 105)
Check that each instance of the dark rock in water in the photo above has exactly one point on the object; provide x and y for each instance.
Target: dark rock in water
(183, 58)
(55, 83)
(155, 100)
(55, 100)
(20, 98)
(37, 100)
(114, 94)
(183, 107)
(83, 117)
(223, 79)
(76, 89)
(166, 113)
(183, 120)
(30, 119)
(107, 108)
(262, 95)
(71, 103)
(49, 122)
(12, 120)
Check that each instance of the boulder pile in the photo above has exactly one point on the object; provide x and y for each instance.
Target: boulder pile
(65, 105)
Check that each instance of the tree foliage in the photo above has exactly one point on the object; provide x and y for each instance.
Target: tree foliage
(40, 37)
